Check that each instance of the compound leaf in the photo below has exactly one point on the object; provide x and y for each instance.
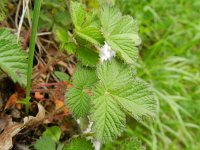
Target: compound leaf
(116, 93)
(13, 60)
(120, 33)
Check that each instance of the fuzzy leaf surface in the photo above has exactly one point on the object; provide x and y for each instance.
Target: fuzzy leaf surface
(77, 97)
(137, 99)
(121, 33)
(118, 93)
(87, 56)
(13, 60)
(86, 24)
(79, 144)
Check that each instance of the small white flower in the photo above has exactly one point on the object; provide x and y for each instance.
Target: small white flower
(96, 144)
(106, 53)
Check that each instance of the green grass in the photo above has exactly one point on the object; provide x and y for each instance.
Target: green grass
(170, 54)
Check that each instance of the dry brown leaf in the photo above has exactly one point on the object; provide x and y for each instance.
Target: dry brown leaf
(11, 101)
(14, 128)
(30, 120)
(71, 69)
(58, 105)
(38, 96)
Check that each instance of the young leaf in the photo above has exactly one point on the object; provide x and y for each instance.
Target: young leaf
(87, 56)
(45, 142)
(66, 42)
(115, 93)
(77, 97)
(13, 60)
(79, 144)
(86, 25)
(53, 132)
(120, 33)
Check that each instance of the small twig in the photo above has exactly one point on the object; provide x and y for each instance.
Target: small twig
(17, 13)
(25, 4)
(48, 65)
(44, 33)
(42, 90)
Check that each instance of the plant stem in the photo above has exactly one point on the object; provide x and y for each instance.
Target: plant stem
(36, 15)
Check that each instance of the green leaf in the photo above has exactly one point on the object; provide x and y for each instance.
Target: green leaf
(137, 99)
(109, 119)
(61, 76)
(118, 93)
(2, 9)
(69, 47)
(62, 17)
(79, 144)
(66, 42)
(132, 144)
(77, 97)
(87, 56)
(77, 14)
(78, 102)
(121, 33)
(60, 146)
(114, 74)
(53, 132)
(45, 143)
(13, 60)
(86, 24)
(61, 35)
(84, 77)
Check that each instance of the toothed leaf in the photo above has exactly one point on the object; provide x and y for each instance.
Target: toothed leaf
(13, 60)
(79, 144)
(77, 97)
(78, 102)
(121, 33)
(87, 56)
(116, 93)
(137, 99)
(45, 142)
(86, 25)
